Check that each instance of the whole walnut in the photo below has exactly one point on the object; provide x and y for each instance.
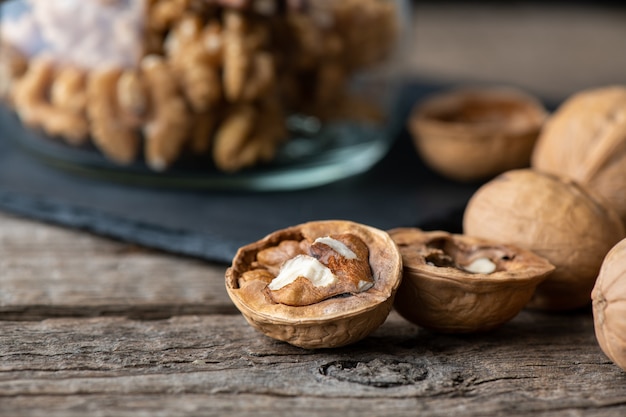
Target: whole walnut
(585, 140)
(553, 217)
(609, 305)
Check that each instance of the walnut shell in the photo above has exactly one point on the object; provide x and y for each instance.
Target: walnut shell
(609, 305)
(333, 322)
(585, 139)
(554, 218)
(443, 291)
(472, 134)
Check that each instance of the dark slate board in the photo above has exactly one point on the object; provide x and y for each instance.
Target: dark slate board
(399, 191)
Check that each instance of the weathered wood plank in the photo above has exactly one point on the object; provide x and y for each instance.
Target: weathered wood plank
(244, 405)
(49, 271)
(533, 365)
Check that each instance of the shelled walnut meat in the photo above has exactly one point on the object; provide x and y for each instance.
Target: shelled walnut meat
(317, 285)
(609, 305)
(454, 283)
(171, 80)
(585, 140)
(554, 218)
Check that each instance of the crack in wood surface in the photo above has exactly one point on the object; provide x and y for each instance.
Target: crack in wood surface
(503, 378)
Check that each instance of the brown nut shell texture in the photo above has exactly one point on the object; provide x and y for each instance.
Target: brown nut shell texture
(585, 140)
(609, 305)
(470, 134)
(454, 283)
(318, 284)
(554, 218)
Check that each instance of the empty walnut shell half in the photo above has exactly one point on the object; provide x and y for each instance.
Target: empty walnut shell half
(585, 140)
(470, 134)
(609, 305)
(459, 284)
(319, 284)
(554, 218)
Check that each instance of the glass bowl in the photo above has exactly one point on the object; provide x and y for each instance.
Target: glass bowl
(260, 95)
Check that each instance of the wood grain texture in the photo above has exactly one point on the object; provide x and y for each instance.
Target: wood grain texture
(48, 271)
(215, 363)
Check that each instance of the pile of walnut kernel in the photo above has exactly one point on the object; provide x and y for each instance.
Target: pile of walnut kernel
(161, 79)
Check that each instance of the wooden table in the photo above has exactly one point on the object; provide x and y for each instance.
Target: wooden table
(90, 326)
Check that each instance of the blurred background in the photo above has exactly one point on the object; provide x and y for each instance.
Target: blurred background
(550, 48)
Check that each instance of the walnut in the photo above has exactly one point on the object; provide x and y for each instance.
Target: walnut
(248, 72)
(132, 98)
(232, 135)
(68, 90)
(609, 305)
(472, 134)
(31, 99)
(454, 283)
(335, 284)
(167, 129)
(273, 257)
(248, 135)
(111, 132)
(162, 14)
(585, 140)
(194, 52)
(335, 265)
(554, 218)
